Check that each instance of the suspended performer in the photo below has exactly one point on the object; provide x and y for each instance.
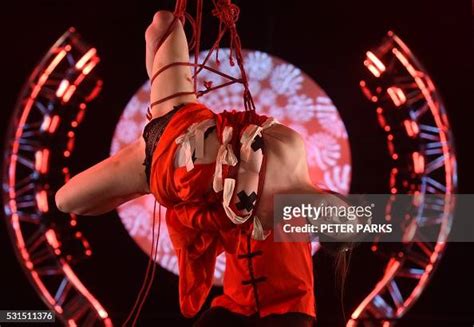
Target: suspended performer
(216, 174)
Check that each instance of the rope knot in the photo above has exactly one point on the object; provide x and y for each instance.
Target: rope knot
(226, 12)
(207, 84)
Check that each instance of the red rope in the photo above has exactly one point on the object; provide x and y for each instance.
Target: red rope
(153, 271)
(151, 265)
(201, 66)
(199, 93)
(227, 13)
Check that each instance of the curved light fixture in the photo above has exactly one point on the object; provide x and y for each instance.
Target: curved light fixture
(39, 144)
(421, 146)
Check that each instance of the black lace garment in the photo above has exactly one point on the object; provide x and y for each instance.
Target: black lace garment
(152, 133)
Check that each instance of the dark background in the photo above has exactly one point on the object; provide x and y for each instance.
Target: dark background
(327, 40)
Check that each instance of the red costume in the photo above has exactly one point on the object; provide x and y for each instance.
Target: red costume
(210, 209)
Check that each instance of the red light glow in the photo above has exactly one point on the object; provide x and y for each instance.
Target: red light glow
(68, 94)
(52, 238)
(87, 69)
(84, 291)
(372, 68)
(375, 61)
(418, 162)
(63, 86)
(411, 127)
(42, 201)
(85, 58)
(397, 95)
(42, 160)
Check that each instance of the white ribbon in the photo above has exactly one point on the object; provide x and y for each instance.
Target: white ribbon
(193, 140)
(258, 233)
(229, 185)
(249, 134)
(225, 155)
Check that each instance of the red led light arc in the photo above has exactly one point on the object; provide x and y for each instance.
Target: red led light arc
(428, 170)
(28, 197)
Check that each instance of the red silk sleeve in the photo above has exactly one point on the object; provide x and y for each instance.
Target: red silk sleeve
(200, 231)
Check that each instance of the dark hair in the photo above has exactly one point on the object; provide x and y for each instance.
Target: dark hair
(341, 252)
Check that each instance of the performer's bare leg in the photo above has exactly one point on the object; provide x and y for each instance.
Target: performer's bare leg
(122, 177)
(174, 49)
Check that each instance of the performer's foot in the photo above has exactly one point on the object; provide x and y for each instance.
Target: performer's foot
(173, 85)
(154, 34)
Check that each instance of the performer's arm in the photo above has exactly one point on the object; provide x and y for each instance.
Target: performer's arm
(106, 185)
